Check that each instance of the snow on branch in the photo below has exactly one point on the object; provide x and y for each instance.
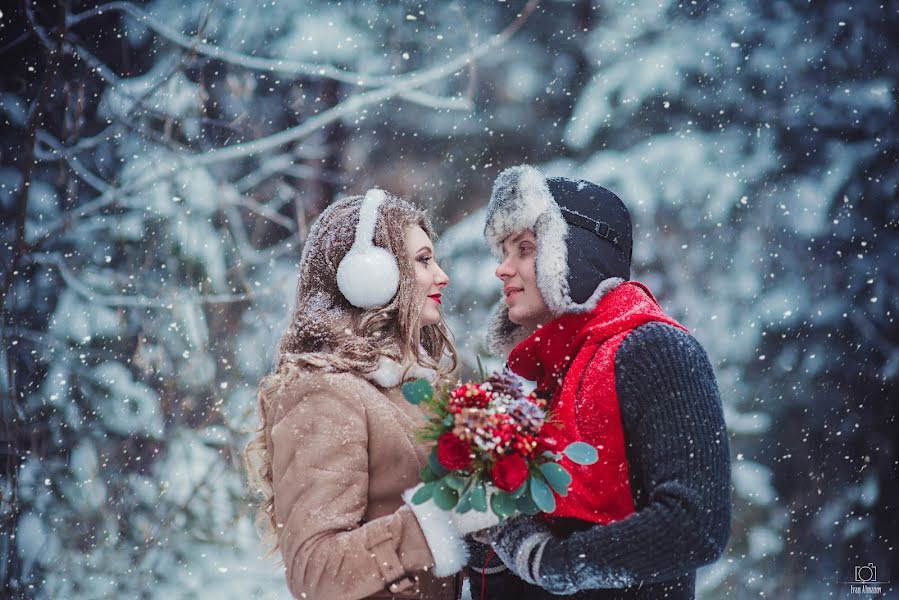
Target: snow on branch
(256, 63)
(138, 301)
(283, 164)
(402, 86)
(263, 210)
(57, 152)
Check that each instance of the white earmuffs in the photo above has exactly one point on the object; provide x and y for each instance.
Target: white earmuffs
(368, 275)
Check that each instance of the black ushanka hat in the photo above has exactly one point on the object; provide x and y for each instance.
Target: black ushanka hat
(584, 241)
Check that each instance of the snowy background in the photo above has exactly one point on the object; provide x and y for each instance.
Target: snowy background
(162, 161)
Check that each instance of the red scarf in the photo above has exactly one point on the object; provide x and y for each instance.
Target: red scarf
(572, 359)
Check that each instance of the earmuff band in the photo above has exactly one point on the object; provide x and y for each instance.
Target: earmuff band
(368, 218)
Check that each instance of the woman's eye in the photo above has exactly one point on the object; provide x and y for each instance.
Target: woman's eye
(524, 250)
(424, 259)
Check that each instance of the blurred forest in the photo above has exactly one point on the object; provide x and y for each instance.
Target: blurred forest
(161, 162)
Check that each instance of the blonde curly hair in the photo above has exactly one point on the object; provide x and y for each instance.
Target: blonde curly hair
(328, 333)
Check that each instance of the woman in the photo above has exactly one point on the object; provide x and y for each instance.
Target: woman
(337, 448)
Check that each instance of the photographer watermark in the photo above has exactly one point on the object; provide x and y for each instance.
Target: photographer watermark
(865, 581)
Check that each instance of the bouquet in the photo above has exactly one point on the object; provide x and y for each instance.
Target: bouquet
(491, 437)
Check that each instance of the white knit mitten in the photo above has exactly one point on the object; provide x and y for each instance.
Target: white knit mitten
(444, 530)
(475, 520)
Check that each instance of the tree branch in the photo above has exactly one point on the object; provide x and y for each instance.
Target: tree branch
(265, 211)
(255, 63)
(138, 301)
(35, 118)
(283, 163)
(405, 84)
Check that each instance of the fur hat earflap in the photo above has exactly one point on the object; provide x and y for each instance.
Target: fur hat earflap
(583, 234)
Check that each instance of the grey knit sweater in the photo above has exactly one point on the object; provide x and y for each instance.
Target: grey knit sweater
(678, 458)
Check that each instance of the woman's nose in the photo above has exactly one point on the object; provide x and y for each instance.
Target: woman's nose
(441, 278)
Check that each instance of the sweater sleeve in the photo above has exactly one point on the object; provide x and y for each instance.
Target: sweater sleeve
(320, 480)
(678, 449)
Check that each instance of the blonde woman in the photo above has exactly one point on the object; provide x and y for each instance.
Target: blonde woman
(336, 449)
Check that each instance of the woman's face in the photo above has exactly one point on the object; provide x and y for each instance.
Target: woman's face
(519, 275)
(430, 277)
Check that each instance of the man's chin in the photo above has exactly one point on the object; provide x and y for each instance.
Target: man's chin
(531, 322)
(517, 318)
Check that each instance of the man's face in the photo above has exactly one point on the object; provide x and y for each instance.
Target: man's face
(519, 276)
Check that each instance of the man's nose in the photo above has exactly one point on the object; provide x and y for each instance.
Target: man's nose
(504, 270)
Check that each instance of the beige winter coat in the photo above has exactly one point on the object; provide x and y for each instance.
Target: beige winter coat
(343, 451)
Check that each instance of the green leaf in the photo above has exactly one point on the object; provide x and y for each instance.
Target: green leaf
(438, 469)
(444, 496)
(449, 420)
(418, 391)
(526, 505)
(427, 475)
(542, 495)
(423, 494)
(479, 497)
(455, 482)
(503, 505)
(518, 493)
(465, 495)
(557, 477)
(581, 453)
(464, 504)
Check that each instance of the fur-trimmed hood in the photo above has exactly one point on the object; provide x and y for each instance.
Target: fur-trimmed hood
(584, 242)
(390, 373)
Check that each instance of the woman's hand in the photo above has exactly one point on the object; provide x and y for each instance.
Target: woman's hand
(463, 523)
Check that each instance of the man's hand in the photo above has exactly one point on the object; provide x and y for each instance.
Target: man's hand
(519, 543)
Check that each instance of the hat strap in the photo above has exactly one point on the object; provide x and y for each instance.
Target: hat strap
(600, 228)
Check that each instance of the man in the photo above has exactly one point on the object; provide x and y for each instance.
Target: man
(623, 377)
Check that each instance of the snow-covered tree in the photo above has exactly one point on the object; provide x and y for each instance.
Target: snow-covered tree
(162, 163)
(750, 144)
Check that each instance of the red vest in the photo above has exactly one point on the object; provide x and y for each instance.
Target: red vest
(572, 359)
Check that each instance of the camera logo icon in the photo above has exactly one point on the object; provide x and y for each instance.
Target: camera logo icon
(866, 573)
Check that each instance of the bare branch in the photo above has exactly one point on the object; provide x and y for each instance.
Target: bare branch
(249, 254)
(405, 84)
(870, 333)
(265, 211)
(64, 152)
(235, 224)
(283, 164)
(294, 68)
(11, 414)
(256, 63)
(35, 117)
(24, 36)
(136, 301)
(107, 198)
(438, 102)
(58, 153)
(37, 29)
(100, 68)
